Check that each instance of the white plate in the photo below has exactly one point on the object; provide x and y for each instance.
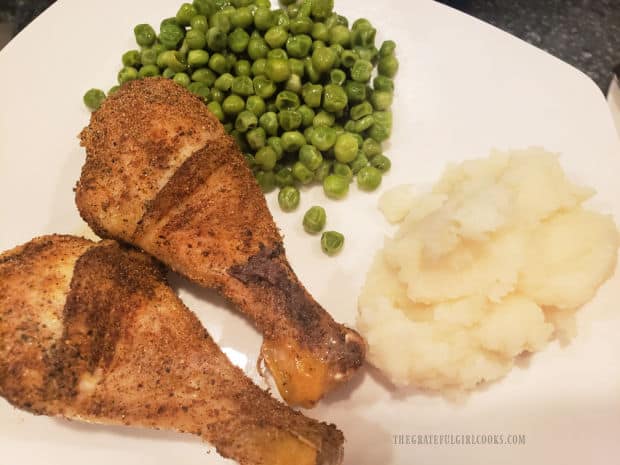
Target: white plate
(463, 88)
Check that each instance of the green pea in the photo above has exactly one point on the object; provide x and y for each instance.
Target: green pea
(281, 19)
(258, 67)
(221, 21)
(307, 115)
(171, 59)
(276, 36)
(382, 128)
(245, 121)
(314, 219)
(293, 84)
(276, 144)
(233, 105)
(127, 74)
(323, 59)
(371, 147)
(381, 99)
(216, 39)
(332, 242)
(288, 198)
(337, 76)
(318, 44)
(363, 124)
(263, 3)
(308, 133)
(334, 98)
(195, 39)
(266, 180)
(340, 34)
(312, 93)
(323, 118)
(297, 66)
(299, 46)
(381, 162)
(171, 35)
(359, 111)
(323, 170)
(269, 122)
(320, 32)
(388, 66)
(289, 119)
(238, 40)
(197, 58)
(292, 141)
(284, 177)
(216, 109)
(287, 100)
(186, 13)
(266, 158)
(363, 37)
(264, 87)
(302, 173)
(257, 138)
(131, 58)
(256, 105)
(343, 170)
(335, 187)
(148, 71)
(182, 79)
(216, 95)
(361, 71)
(242, 85)
(361, 161)
(204, 7)
(388, 47)
(321, 9)
(356, 91)
(217, 63)
(263, 18)
(199, 23)
(301, 25)
(277, 69)
(278, 54)
(204, 75)
(368, 53)
(224, 82)
(292, 10)
(323, 138)
(383, 83)
(200, 89)
(93, 98)
(242, 17)
(368, 178)
(145, 35)
(148, 56)
(168, 73)
(346, 148)
(310, 72)
(310, 156)
(348, 58)
(257, 48)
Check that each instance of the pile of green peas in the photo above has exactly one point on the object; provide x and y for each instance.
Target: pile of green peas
(306, 97)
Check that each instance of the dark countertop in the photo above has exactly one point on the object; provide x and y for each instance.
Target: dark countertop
(584, 33)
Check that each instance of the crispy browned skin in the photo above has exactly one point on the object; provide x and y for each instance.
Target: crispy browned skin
(91, 331)
(161, 173)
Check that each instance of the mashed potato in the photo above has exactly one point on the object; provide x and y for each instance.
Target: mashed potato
(493, 262)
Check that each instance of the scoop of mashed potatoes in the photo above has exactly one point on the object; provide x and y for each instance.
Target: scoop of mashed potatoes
(492, 263)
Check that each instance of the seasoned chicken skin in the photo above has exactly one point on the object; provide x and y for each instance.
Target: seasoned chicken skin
(162, 174)
(91, 331)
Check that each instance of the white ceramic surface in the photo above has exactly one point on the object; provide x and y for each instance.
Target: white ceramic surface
(463, 88)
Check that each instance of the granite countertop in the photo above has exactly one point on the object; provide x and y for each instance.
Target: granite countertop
(584, 33)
